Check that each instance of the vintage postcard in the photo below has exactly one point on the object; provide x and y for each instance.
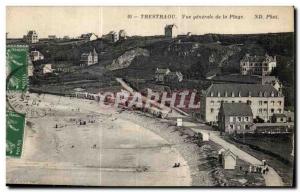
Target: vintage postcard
(150, 96)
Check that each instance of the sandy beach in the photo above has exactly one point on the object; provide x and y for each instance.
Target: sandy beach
(110, 150)
(70, 141)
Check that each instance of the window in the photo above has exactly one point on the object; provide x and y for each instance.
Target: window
(279, 102)
(260, 102)
(232, 101)
(247, 127)
(231, 126)
(231, 119)
(273, 102)
(211, 110)
(259, 110)
(212, 102)
(265, 102)
(279, 110)
(240, 101)
(239, 118)
(265, 109)
(281, 119)
(272, 110)
(246, 119)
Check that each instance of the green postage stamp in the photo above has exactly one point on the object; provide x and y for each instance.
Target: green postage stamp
(16, 84)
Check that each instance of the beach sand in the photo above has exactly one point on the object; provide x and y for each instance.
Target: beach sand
(110, 150)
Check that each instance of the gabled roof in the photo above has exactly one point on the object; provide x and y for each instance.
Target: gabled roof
(243, 90)
(229, 153)
(236, 109)
(254, 58)
(87, 35)
(162, 71)
(171, 26)
(269, 79)
(31, 32)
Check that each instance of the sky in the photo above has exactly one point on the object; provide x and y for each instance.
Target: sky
(73, 21)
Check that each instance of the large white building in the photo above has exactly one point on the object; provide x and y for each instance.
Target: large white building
(31, 37)
(257, 65)
(122, 34)
(89, 36)
(89, 58)
(264, 100)
(36, 56)
(112, 36)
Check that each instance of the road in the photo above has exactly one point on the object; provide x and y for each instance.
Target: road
(271, 178)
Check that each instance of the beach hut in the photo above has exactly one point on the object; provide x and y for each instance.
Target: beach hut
(228, 159)
(179, 122)
(205, 136)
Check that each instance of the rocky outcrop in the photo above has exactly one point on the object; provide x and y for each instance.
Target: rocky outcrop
(125, 60)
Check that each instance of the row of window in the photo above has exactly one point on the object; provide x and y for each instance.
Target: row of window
(238, 127)
(255, 64)
(260, 110)
(272, 102)
(259, 102)
(239, 119)
(213, 102)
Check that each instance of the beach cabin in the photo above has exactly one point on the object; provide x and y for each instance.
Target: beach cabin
(205, 136)
(228, 160)
(179, 122)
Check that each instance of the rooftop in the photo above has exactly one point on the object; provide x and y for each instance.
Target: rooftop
(279, 115)
(241, 90)
(236, 109)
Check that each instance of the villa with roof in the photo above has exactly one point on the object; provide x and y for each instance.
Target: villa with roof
(235, 118)
(264, 100)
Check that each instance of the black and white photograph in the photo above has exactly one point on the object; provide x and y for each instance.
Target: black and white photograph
(150, 96)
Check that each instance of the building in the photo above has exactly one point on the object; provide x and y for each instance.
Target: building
(31, 37)
(47, 68)
(289, 116)
(235, 118)
(272, 80)
(173, 77)
(171, 31)
(257, 65)
(63, 68)
(204, 136)
(89, 58)
(228, 159)
(160, 74)
(279, 118)
(112, 37)
(36, 56)
(122, 34)
(30, 68)
(51, 37)
(264, 100)
(89, 37)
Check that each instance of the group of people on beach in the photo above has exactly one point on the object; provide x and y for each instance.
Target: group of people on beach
(263, 169)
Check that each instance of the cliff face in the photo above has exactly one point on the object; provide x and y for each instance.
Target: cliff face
(126, 59)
